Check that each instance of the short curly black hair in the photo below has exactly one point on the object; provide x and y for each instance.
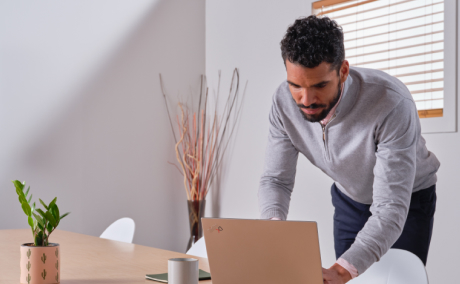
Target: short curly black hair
(312, 40)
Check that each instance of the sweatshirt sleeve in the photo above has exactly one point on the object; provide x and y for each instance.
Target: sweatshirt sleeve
(277, 180)
(394, 172)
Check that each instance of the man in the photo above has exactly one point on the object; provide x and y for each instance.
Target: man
(360, 127)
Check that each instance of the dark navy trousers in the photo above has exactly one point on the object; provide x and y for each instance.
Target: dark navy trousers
(350, 217)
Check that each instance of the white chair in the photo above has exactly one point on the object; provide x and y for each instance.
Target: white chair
(121, 230)
(198, 249)
(395, 267)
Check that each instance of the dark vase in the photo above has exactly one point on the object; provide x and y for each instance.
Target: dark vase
(195, 212)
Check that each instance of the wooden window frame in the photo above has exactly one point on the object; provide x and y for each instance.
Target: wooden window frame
(445, 119)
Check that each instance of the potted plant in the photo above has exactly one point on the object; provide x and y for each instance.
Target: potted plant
(40, 260)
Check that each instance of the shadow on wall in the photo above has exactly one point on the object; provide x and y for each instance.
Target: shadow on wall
(221, 176)
(106, 156)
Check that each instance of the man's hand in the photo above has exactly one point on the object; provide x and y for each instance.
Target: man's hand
(336, 275)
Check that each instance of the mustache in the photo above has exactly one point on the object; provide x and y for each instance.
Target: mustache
(312, 106)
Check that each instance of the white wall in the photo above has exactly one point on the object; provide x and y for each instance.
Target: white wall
(82, 116)
(246, 34)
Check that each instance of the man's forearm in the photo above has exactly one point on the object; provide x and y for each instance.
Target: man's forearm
(278, 177)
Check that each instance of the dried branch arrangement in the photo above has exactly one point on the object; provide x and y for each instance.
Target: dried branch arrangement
(204, 135)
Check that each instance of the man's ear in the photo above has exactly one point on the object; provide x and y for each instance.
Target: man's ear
(344, 71)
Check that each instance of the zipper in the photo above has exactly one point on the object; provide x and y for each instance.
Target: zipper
(324, 134)
(326, 154)
(324, 138)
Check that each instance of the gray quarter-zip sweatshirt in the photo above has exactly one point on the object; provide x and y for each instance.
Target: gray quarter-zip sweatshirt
(372, 149)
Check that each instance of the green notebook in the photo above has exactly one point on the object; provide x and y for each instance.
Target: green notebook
(163, 277)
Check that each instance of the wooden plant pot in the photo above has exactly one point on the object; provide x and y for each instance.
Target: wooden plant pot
(40, 265)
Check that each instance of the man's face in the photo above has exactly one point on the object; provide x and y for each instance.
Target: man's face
(315, 90)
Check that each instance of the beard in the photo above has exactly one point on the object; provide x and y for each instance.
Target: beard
(327, 108)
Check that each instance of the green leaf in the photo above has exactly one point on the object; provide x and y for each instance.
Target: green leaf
(19, 185)
(26, 208)
(33, 208)
(39, 219)
(55, 211)
(27, 192)
(39, 239)
(63, 215)
(50, 218)
(42, 213)
(31, 222)
(52, 203)
(43, 203)
(22, 199)
(49, 227)
(37, 229)
(30, 198)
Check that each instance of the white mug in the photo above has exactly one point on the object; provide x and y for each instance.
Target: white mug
(183, 271)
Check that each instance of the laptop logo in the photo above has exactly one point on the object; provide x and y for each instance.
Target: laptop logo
(215, 228)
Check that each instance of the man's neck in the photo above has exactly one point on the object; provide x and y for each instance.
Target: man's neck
(331, 113)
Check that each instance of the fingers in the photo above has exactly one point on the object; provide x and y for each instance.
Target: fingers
(327, 275)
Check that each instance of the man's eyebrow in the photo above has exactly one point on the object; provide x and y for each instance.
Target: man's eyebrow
(321, 83)
(315, 85)
(295, 85)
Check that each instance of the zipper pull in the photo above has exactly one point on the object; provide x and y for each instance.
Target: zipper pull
(324, 132)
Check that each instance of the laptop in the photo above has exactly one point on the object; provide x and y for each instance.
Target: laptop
(262, 251)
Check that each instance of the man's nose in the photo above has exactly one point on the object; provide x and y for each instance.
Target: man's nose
(307, 97)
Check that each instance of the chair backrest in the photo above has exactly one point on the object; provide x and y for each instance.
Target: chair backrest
(121, 230)
(395, 267)
(198, 249)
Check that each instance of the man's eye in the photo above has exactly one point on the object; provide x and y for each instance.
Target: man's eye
(322, 86)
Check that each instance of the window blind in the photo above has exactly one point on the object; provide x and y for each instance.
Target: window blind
(404, 38)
